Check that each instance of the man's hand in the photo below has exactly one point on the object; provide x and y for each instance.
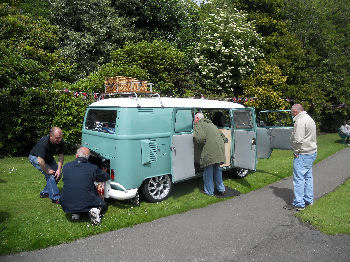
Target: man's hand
(57, 175)
(51, 172)
(101, 189)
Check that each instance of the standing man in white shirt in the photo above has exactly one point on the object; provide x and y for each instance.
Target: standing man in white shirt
(304, 144)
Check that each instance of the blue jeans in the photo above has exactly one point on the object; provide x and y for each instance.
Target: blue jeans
(303, 180)
(51, 183)
(213, 173)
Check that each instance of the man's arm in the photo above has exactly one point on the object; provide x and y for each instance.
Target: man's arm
(59, 166)
(298, 137)
(101, 175)
(199, 134)
(42, 164)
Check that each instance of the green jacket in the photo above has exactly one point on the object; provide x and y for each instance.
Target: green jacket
(210, 141)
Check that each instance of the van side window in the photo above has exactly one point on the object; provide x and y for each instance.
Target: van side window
(274, 118)
(183, 120)
(243, 119)
(101, 120)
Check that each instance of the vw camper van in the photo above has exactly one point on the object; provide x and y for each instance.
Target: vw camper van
(147, 142)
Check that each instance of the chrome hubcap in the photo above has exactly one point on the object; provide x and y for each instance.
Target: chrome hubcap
(159, 187)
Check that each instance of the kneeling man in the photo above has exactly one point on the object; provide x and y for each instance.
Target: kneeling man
(79, 194)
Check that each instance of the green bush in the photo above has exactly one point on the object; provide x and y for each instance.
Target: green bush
(27, 115)
(158, 62)
(28, 51)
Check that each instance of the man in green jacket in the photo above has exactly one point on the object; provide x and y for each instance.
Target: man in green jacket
(212, 144)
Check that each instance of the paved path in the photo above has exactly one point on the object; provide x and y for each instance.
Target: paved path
(251, 227)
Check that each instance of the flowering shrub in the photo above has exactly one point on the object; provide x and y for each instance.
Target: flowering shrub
(227, 48)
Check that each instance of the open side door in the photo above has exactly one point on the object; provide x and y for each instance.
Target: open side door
(244, 136)
(182, 145)
(273, 132)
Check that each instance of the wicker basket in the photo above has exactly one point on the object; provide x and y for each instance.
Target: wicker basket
(122, 84)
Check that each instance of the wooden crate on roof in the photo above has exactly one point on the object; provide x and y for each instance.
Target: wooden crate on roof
(122, 84)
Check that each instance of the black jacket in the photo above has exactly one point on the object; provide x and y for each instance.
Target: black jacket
(79, 192)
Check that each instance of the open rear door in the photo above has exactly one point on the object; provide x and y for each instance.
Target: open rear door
(244, 135)
(273, 132)
(182, 145)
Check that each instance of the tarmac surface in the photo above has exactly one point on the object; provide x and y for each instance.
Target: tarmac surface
(250, 227)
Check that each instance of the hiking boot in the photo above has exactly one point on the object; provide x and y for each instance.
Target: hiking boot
(94, 215)
(292, 207)
(44, 195)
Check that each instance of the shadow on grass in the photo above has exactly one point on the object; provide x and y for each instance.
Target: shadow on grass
(189, 186)
(2, 181)
(186, 187)
(272, 174)
(284, 193)
(340, 141)
(3, 217)
(228, 175)
(84, 217)
(121, 204)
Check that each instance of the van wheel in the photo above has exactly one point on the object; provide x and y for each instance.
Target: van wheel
(241, 172)
(157, 188)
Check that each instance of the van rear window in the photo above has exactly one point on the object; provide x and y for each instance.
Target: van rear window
(243, 119)
(101, 120)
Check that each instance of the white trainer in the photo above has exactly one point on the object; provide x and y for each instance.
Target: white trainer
(94, 215)
(75, 216)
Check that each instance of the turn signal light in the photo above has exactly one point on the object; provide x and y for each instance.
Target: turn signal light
(112, 174)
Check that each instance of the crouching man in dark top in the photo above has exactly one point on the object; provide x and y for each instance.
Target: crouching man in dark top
(79, 193)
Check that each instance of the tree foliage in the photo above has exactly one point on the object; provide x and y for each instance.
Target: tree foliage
(157, 62)
(283, 49)
(227, 48)
(89, 31)
(28, 51)
(30, 66)
(275, 50)
(323, 28)
(171, 20)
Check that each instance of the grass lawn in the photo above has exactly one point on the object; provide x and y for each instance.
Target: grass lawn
(28, 222)
(331, 213)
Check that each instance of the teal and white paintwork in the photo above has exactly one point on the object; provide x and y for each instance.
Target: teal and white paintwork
(153, 138)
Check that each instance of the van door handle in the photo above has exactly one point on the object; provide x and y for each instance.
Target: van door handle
(253, 143)
(173, 149)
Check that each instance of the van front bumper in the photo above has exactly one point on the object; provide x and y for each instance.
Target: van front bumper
(121, 194)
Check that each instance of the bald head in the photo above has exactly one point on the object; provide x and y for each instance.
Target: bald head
(198, 117)
(55, 135)
(296, 109)
(83, 152)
